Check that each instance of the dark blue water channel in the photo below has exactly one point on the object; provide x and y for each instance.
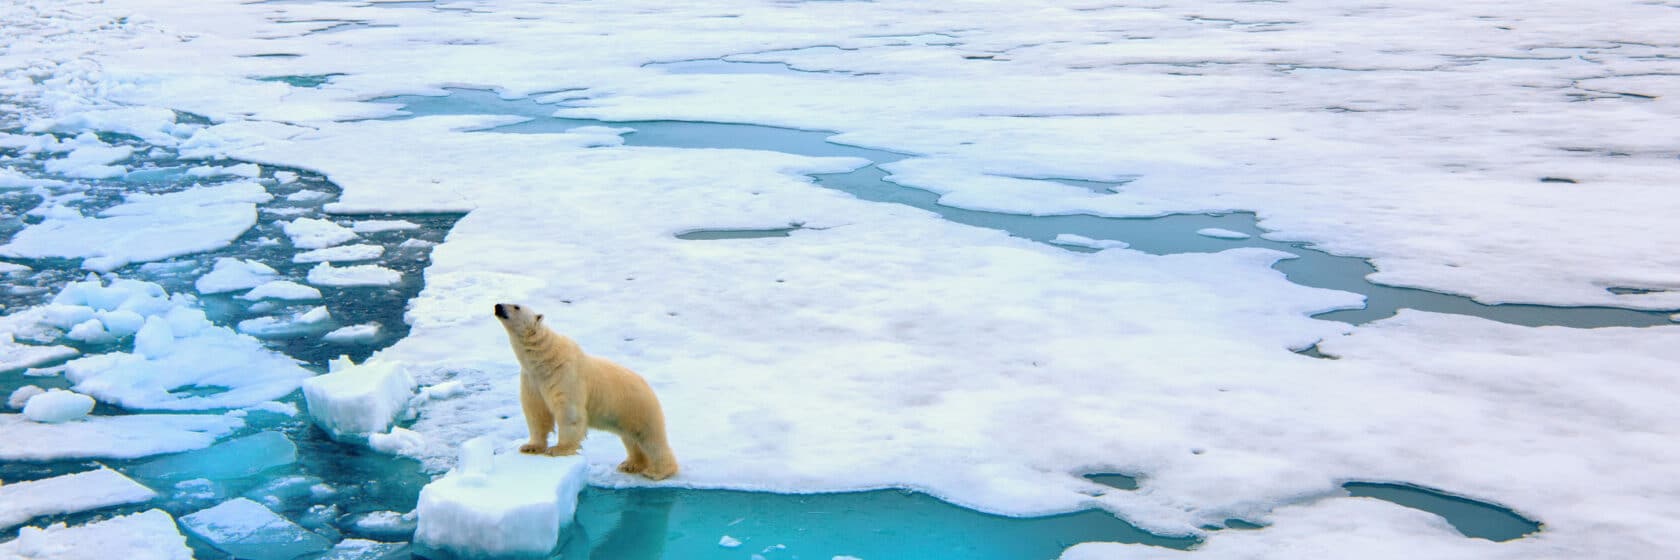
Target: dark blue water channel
(1175, 233)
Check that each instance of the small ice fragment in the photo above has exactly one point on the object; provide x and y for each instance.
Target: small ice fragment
(1222, 233)
(398, 442)
(415, 244)
(246, 529)
(362, 549)
(1082, 241)
(358, 399)
(353, 334)
(313, 319)
(234, 458)
(729, 542)
(22, 394)
(521, 509)
(307, 196)
(71, 493)
(342, 253)
(845, 557)
(57, 406)
(285, 176)
(375, 226)
(325, 274)
(231, 275)
(148, 535)
(282, 289)
(90, 331)
(316, 233)
(385, 525)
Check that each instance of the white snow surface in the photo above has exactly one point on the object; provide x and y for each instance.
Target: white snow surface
(71, 493)
(145, 228)
(325, 274)
(148, 535)
(341, 253)
(518, 509)
(1415, 133)
(316, 233)
(57, 406)
(111, 437)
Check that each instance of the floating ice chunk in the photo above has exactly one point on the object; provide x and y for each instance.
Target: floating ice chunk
(398, 442)
(353, 334)
(9, 268)
(148, 535)
(415, 244)
(519, 509)
(22, 395)
(231, 275)
(155, 339)
(234, 458)
(315, 233)
(241, 170)
(14, 356)
(340, 254)
(282, 289)
(11, 179)
(268, 327)
(385, 525)
(146, 228)
(1222, 233)
(285, 176)
(358, 400)
(375, 226)
(122, 322)
(89, 159)
(1082, 241)
(308, 196)
(246, 529)
(113, 437)
(362, 549)
(90, 331)
(57, 406)
(729, 542)
(71, 493)
(155, 125)
(325, 274)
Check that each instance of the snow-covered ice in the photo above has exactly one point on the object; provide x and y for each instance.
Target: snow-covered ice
(359, 399)
(246, 529)
(22, 395)
(71, 493)
(399, 441)
(376, 226)
(519, 508)
(1222, 233)
(148, 535)
(316, 233)
(341, 253)
(325, 274)
(354, 334)
(15, 356)
(111, 437)
(314, 319)
(57, 406)
(282, 289)
(145, 228)
(230, 275)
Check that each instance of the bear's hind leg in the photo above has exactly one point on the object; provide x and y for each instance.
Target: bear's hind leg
(661, 463)
(635, 461)
(537, 419)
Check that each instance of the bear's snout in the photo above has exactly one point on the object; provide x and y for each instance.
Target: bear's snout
(501, 311)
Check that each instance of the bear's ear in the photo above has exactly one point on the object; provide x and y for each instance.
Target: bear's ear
(539, 317)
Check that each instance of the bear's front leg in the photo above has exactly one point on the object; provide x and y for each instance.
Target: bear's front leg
(573, 427)
(538, 420)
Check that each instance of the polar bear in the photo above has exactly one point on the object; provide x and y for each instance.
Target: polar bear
(560, 386)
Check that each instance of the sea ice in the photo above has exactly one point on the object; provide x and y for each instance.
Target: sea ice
(363, 549)
(246, 529)
(15, 356)
(231, 275)
(375, 226)
(57, 406)
(358, 399)
(729, 542)
(1221, 233)
(71, 493)
(325, 274)
(1082, 241)
(341, 253)
(520, 508)
(316, 233)
(282, 289)
(148, 535)
(314, 319)
(354, 334)
(145, 228)
(110, 437)
(22, 395)
(235, 458)
(399, 441)
(88, 159)
(307, 196)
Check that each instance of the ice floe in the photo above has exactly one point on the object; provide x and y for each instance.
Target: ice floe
(282, 290)
(314, 319)
(111, 437)
(316, 233)
(1222, 233)
(358, 399)
(325, 274)
(354, 334)
(340, 254)
(148, 535)
(71, 493)
(518, 507)
(145, 228)
(57, 406)
(230, 275)
(246, 529)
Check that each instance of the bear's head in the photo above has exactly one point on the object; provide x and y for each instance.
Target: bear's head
(518, 319)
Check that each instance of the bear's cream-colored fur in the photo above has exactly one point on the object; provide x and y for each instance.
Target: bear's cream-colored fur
(561, 387)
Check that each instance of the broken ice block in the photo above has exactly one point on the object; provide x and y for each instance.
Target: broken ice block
(519, 509)
(357, 400)
(246, 529)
